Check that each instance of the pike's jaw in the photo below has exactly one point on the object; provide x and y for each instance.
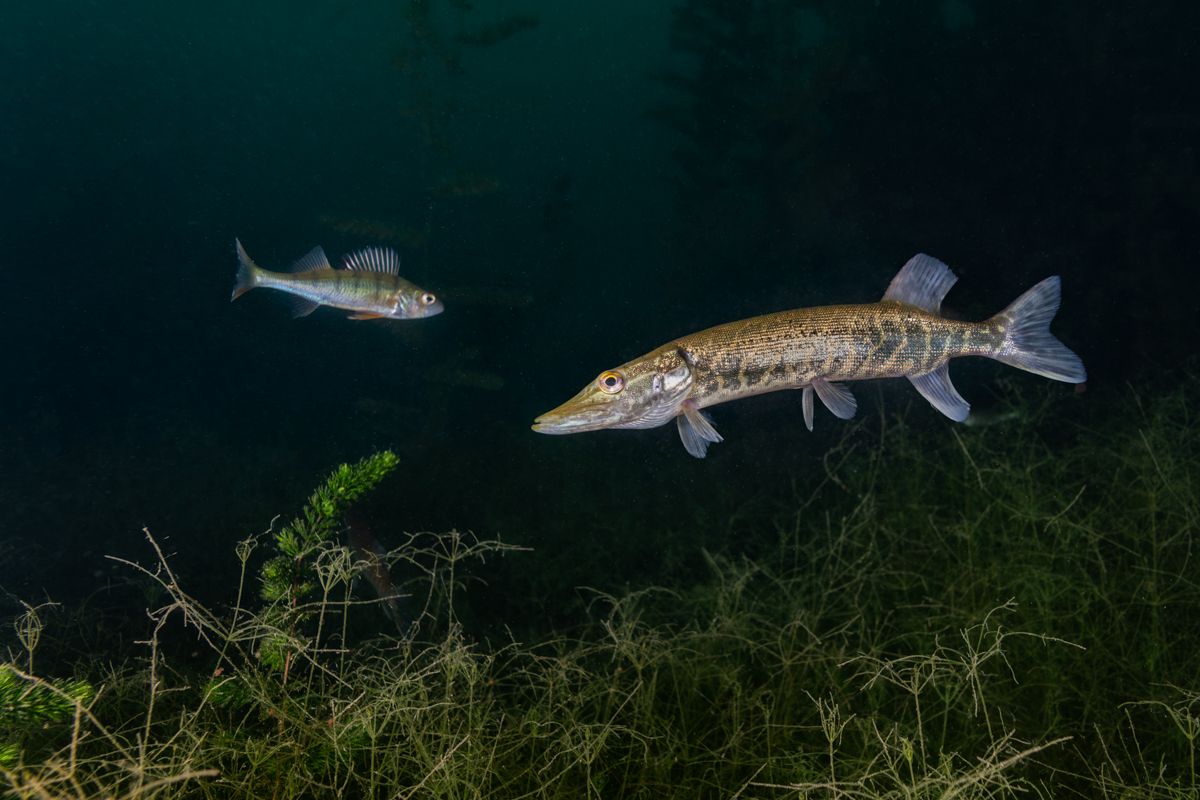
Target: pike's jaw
(573, 418)
(648, 398)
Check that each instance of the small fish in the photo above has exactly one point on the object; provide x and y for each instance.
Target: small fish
(989, 417)
(466, 183)
(499, 31)
(815, 349)
(370, 285)
(469, 379)
(379, 230)
(464, 370)
(370, 560)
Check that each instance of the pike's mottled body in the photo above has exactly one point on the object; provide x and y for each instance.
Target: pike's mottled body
(369, 285)
(791, 349)
(816, 350)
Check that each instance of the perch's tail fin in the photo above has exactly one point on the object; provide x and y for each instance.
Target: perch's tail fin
(247, 273)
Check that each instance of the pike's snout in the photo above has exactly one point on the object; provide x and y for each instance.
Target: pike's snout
(569, 418)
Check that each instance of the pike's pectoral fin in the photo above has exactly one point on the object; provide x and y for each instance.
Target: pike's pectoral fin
(922, 282)
(696, 430)
(807, 403)
(940, 392)
(836, 397)
(364, 315)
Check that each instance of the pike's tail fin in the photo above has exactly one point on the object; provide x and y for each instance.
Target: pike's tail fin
(1028, 343)
(247, 273)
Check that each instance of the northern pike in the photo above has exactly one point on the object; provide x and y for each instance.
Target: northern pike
(369, 285)
(817, 350)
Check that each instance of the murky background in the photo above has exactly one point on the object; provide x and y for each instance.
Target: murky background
(580, 183)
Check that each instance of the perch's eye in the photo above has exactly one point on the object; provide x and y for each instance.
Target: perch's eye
(428, 299)
(611, 382)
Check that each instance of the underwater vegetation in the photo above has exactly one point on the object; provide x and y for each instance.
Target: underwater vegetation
(992, 612)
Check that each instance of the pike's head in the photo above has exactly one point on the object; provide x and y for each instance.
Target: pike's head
(645, 393)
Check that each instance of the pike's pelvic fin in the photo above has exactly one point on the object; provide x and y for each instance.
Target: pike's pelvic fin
(696, 430)
(836, 397)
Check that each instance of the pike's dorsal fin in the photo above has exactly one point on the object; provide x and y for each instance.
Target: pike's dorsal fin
(311, 261)
(922, 282)
(373, 259)
(837, 398)
(696, 430)
(940, 392)
(807, 403)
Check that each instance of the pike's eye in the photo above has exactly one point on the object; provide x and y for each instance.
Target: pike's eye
(428, 299)
(611, 382)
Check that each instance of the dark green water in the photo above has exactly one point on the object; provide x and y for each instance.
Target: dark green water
(605, 178)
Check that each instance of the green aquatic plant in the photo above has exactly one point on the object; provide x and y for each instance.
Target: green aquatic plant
(30, 706)
(995, 612)
(287, 576)
(24, 700)
(307, 556)
(28, 628)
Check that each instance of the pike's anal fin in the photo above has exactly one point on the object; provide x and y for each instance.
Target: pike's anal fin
(836, 397)
(695, 430)
(807, 403)
(940, 392)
